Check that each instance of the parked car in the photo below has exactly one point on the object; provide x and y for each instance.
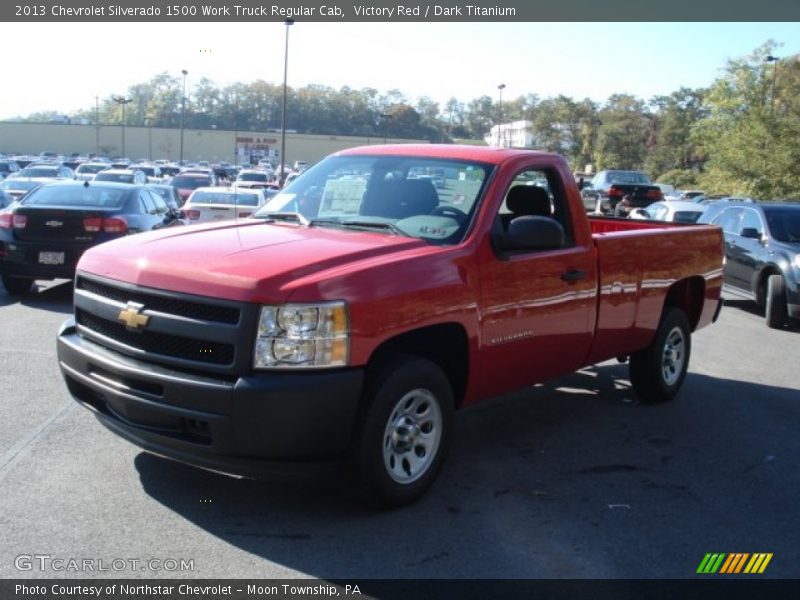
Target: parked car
(186, 183)
(762, 249)
(246, 176)
(47, 232)
(217, 204)
(133, 176)
(86, 171)
(618, 192)
(8, 167)
(46, 171)
(17, 188)
(152, 172)
(168, 193)
(673, 211)
(6, 199)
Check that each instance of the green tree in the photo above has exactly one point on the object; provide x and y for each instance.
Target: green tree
(622, 134)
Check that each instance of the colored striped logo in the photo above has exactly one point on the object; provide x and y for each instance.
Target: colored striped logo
(729, 564)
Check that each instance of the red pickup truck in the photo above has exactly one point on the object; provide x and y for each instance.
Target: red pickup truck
(347, 320)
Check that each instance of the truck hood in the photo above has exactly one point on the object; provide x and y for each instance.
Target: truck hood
(249, 260)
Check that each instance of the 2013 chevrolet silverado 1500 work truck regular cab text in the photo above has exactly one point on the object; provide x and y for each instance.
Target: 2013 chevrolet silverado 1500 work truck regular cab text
(347, 320)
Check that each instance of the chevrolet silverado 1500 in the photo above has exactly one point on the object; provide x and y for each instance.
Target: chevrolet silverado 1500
(347, 320)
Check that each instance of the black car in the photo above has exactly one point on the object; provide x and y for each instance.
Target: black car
(7, 167)
(762, 250)
(168, 193)
(47, 232)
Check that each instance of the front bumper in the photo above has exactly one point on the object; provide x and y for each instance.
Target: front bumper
(264, 425)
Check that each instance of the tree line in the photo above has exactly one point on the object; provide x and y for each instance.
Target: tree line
(737, 136)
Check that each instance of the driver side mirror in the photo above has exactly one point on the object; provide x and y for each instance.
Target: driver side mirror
(751, 233)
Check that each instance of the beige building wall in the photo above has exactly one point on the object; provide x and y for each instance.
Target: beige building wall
(210, 145)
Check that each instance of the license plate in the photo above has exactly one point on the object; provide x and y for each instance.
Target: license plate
(51, 258)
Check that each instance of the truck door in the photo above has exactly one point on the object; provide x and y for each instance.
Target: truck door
(537, 306)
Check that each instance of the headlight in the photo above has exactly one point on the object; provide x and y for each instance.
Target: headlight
(302, 335)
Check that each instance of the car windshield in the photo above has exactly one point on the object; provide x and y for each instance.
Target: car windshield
(118, 177)
(189, 183)
(76, 195)
(90, 168)
(388, 194)
(686, 216)
(243, 199)
(253, 177)
(627, 177)
(784, 223)
(39, 172)
(18, 184)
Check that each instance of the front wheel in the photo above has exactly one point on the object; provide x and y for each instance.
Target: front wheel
(777, 311)
(658, 371)
(405, 433)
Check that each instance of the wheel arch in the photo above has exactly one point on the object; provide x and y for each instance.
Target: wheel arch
(688, 295)
(445, 344)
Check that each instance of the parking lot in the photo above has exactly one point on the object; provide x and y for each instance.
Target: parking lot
(570, 479)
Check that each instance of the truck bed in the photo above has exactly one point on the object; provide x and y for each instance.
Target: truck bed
(637, 262)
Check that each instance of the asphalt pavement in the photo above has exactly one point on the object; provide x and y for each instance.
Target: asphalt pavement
(570, 479)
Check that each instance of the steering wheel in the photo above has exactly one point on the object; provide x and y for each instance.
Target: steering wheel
(444, 210)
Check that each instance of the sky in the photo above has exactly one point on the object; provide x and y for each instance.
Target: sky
(62, 66)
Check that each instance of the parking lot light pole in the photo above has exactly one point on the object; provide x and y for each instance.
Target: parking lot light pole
(97, 125)
(122, 101)
(774, 60)
(281, 176)
(149, 122)
(385, 122)
(500, 87)
(183, 112)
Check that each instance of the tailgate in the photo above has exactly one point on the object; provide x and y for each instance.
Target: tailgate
(639, 195)
(638, 262)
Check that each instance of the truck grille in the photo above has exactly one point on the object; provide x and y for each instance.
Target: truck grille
(159, 343)
(173, 306)
(190, 332)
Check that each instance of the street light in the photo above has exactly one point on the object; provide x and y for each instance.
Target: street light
(122, 101)
(149, 122)
(183, 112)
(500, 87)
(288, 23)
(773, 59)
(385, 121)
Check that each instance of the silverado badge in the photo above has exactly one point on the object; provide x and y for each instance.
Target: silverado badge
(132, 316)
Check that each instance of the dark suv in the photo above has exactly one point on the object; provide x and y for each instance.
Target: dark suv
(762, 250)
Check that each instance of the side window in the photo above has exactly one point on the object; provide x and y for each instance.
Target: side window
(535, 192)
(729, 220)
(751, 219)
(158, 201)
(147, 201)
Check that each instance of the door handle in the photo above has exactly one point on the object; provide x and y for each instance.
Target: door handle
(573, 275)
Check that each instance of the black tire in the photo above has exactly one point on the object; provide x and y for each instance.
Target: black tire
(777, 311)
(17, 286)
(399, 453)
(658, 371)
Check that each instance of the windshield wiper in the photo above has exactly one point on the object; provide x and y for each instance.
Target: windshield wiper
(375, 225)
(295, 217)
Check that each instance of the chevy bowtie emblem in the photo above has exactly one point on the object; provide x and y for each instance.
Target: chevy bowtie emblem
(54, 223)
(132, 316)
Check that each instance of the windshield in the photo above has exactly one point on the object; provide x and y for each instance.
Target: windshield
(624, 177)
(253, 177)
(90, 168)
(189, 183)
(784, 223)
(387, 194)
(118, 177)
(78, 195)
(17, 184)
(39, 172)
(244, 199)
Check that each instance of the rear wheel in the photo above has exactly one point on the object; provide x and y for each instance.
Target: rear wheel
(405, 432)
(658, 371)
(777, 310)
(16, 286)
